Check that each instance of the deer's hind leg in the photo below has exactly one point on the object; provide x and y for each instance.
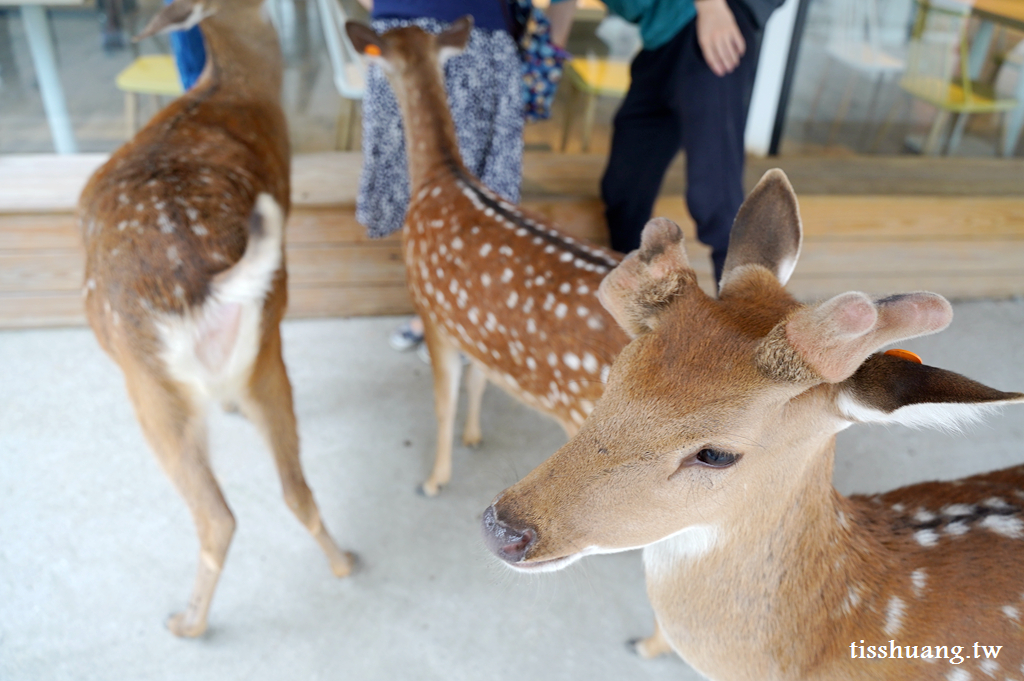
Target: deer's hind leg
(267, 402)
(175, 427)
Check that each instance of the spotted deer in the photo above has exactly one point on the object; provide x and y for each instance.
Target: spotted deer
(185, 274)
(490, 281)
(713, 447)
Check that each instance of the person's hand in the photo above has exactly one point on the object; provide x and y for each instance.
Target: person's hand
(719, 37)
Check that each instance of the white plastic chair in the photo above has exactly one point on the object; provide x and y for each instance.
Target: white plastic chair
(349, 73)
(855, 42)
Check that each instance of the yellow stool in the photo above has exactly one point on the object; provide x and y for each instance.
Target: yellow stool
(154, 75)
(592, 77)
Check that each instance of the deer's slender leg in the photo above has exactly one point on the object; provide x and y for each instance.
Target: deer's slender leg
(654, 645)
(476, 383)
(176, 430)
(447, 367)
(268, 405)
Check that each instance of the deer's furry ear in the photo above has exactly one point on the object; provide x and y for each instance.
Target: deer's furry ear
(829, 341)
(453, 40)
(888, 389)
(638, 290)
(767, 231)
(365, 40)
(180, 15)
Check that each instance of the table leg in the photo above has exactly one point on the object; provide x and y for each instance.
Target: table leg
(979, 48)
(50, 88)
(1013, 120)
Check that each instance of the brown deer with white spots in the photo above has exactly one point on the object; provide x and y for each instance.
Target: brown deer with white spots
(185, 274)
(514, 295)
(713, 446)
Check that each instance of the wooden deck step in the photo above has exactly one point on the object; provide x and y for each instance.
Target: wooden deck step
(960, 246)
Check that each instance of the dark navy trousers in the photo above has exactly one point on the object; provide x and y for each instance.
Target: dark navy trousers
(675, 102)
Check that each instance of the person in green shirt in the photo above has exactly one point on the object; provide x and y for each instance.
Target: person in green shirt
(690, 89)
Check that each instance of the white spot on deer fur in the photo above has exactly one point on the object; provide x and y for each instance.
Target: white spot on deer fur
(560, 310)
(565, 257)
(605, 370)
(918, 578)
(582, 311)
(958, 675)
(549, 302)
(565, 288)
(122, 199)
(990, 667)
(531, 326)
(590, 363)
(506, 277)
(539, 281)
(576, 416)
(485, 279)
(199, 230)
(492, 322)
(474, 315)
(435, 191)
(894, 615)
(179, 292)
(172, 255)
(513, 298)
(926, 537)
(995, 502)
(531, 363)
(165, 224)
(1008, 526)
(549, 249)
(571, 361)
(582, 289)
(505, 251)
(899, 508)
(595, 323)
(1012, 612)
(957, 527)
(552, 360)
(958, 510)
(923, 516)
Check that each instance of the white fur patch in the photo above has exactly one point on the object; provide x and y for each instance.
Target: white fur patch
(1008, 526)
(213, 348)
(919, 578)
(947, 416)
(661, 558)
(894, 615)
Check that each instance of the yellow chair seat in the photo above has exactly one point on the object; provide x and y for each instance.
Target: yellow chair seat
(951, 96)
(600, 76)
(152, 75)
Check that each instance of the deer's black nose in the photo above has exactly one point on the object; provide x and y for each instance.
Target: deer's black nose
(505, 541)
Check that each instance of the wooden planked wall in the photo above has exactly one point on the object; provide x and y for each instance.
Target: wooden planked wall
(964, 240)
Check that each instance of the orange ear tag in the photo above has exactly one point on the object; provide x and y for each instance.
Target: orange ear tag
(372, 50)
(904, 354)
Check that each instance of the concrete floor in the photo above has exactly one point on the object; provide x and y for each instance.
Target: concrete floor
(96, 548)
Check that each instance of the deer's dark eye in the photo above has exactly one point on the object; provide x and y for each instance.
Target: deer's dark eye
(716, 458)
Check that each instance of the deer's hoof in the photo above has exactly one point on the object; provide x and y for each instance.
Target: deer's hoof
(348, 564)
(181, 626)
(429, 489)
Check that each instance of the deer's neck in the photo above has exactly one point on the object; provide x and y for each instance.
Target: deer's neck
(798, 571)
(430, 141)
(243, 58)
